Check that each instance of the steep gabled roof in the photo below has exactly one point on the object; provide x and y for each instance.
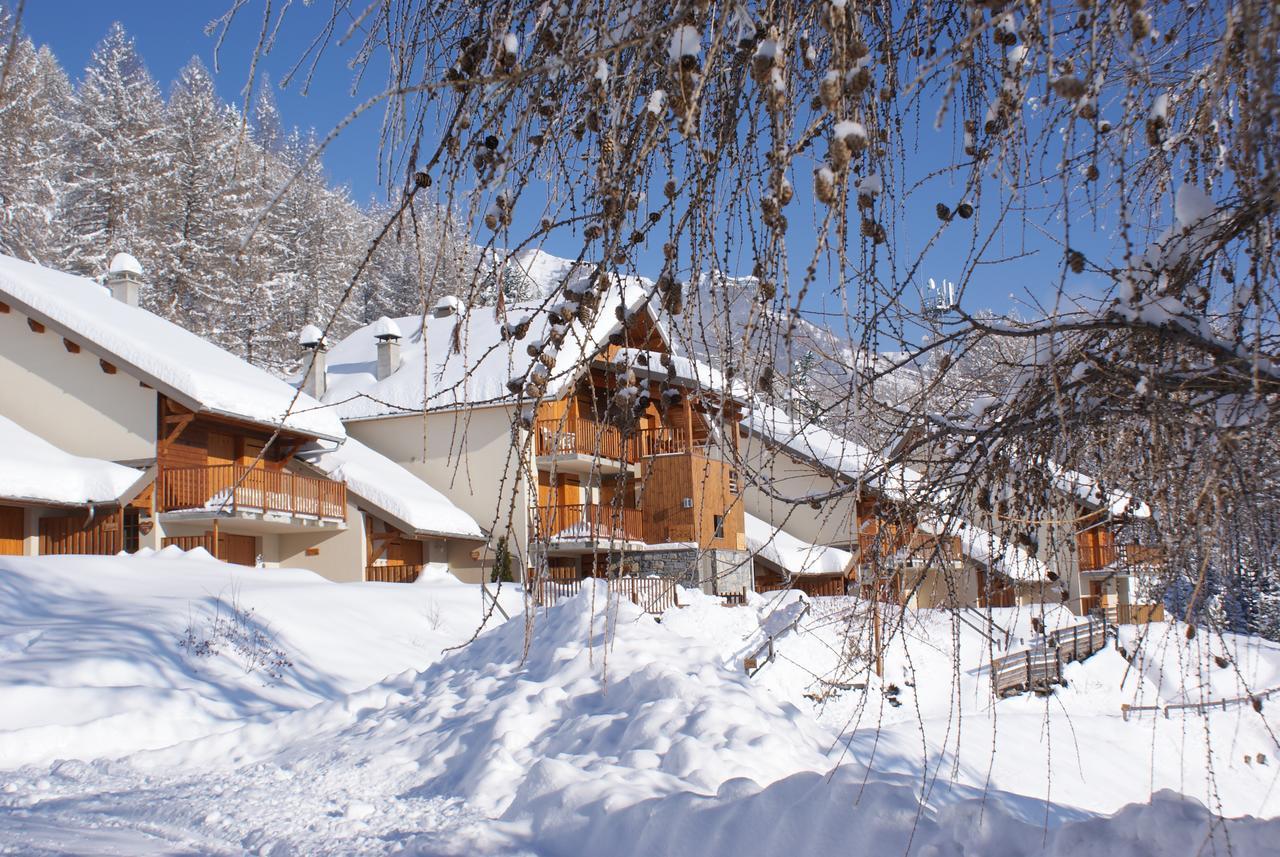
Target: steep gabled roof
(195, 373)
(32, 470)
(390, 491)
(463, 359)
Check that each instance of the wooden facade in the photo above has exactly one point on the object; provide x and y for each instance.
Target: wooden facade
(206, 461)
(12, 530)
(609, 471)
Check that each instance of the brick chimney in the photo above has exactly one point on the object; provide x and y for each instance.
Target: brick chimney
(387, 332)
(124, 278)
(313, 361)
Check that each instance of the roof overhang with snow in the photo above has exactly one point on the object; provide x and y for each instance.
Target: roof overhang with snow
(178, 364)
(37, 473)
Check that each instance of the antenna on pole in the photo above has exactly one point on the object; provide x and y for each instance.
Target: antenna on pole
(938, 299)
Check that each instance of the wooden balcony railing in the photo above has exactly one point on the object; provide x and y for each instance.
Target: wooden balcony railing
(575, 436)
(1095, 557)
(392, 573)
(237, 486)
(663, 440)
(587, 521)
(895, 551)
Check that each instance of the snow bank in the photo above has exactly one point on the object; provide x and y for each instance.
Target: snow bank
(1066, 754)
(391, 490)
(34, 470)
(604, 732)
(152, 349)
(793, 555)
(90, 663)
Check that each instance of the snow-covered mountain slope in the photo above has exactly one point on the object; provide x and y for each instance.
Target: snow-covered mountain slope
(1073, 749)
(594, 730)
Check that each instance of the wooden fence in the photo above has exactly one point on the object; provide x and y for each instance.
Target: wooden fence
(102, 536)
(1254, 699)
(237, 486)
(652, 594)
(756, 661)
(820, 586)
(1039, 668)
(191, 542)
(392, 573)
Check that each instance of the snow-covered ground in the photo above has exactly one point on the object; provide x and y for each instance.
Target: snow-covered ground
(1072, 749)
(600, 732)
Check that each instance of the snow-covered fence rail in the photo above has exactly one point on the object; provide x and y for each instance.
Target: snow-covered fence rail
(1040, 668)
(755, 662)
(1254, 699)
(652, 594)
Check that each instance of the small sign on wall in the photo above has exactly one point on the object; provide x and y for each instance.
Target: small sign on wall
(313, 551)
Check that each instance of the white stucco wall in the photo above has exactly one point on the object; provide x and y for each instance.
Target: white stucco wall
(835, 523)
(469, 457)
(68, 400)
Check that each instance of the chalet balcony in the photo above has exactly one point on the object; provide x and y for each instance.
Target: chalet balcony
(237, 488)
(1097, 557)
(586, 522)
(893, 552)
(581, 445)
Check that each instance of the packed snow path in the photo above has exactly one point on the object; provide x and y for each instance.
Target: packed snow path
(603, 733)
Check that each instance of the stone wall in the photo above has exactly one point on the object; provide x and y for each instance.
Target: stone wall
(712, 571)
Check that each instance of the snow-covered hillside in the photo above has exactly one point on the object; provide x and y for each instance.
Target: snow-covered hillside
(596, 730)
(1073, 748)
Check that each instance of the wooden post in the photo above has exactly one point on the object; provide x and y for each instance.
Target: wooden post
(215, 539)
(688, 424)
(875, 626)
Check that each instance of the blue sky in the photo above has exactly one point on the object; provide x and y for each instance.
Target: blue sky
(169, 33)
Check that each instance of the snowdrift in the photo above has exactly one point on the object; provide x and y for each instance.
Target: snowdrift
(91, 664)
(596, 730)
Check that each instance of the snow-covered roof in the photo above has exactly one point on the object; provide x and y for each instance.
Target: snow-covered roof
(985, 547)
(835, 453)
(35, 471)
(1091, 492)
(123, 263)
(462, 359)
(385, 328)
(390, 490)
(796, 556)
(688, 373)
(176, 362)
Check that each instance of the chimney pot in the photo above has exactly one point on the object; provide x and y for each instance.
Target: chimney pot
(313, 361)
(387, 332)
(124, 278)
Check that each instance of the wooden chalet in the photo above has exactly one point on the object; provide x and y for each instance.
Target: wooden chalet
(216, 438)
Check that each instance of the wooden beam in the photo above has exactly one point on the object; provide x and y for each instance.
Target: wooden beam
(4, 308)
(179, 424)
(36, 327)
(70, 346)
(107, 367)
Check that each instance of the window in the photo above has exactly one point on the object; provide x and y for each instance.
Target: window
(719, 525)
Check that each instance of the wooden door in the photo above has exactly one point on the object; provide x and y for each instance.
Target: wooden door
(241, 550)
(222, 448)
(11, 531)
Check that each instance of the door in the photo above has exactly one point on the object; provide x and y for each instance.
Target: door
(241, 550)
(11, 531)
